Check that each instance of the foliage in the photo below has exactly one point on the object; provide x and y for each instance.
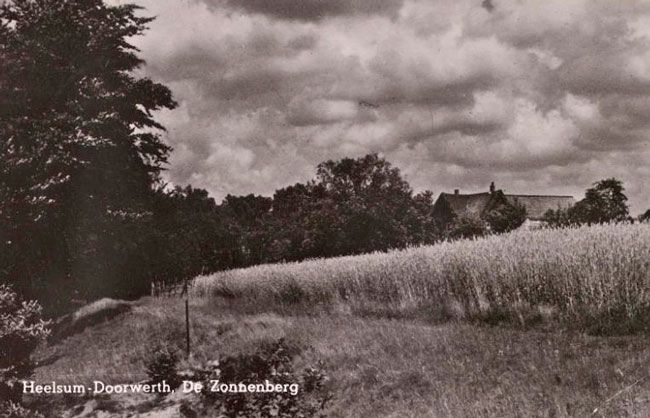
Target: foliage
(79, 151)
(273, 363)
(464, 227)
(162, 366)
(304, 223)
(352, 206)
(21, 329)
(10, 409)
(604, 202)
(190, 236)
(506, 216)
(373, 203)
(557, 218)
(586, 276)
(247, 216)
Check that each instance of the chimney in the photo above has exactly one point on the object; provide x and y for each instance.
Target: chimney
(456, 191)
(492, 187)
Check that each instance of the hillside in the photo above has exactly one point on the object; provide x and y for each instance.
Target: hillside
(378, 367)
(388, 349)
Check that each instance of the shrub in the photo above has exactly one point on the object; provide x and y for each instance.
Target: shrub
(21, 330)
(273, 363)
(557, 218)
(11, 409)
(162, 367)
(467, 227)
(506, 217)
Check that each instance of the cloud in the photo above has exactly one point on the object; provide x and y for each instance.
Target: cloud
(321, 112)
(488, 5)
(538, 96)
(312, 10)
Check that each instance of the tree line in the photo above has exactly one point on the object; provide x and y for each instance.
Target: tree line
(604, 202)
(352, 206)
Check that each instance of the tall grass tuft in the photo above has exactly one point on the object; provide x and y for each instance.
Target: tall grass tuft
(596, 277)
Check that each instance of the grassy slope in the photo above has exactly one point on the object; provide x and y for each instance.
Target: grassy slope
(379, 367)
(381, 324)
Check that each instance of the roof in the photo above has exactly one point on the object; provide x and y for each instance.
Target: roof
(538, 205)
(476, 204)
(467, 204)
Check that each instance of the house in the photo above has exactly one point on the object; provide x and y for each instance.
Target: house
(449, 206)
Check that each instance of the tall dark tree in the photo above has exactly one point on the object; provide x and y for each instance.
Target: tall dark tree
(421, 222)
(604, 202)
(79, 148)
(248, 216)
(373, 202)
(291, 229)
(306, 222)
(189, 236)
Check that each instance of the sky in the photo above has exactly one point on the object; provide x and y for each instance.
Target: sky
(541, 97)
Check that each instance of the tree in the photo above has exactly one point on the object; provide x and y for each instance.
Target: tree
(465, 227)
(306, 222)
(248, 216)
(604, 202)
(557, 218)
(373, 202)
(505, 216)
(79, 147)
(421, 222)
(189, 236)
(291, 228)
(352, 206)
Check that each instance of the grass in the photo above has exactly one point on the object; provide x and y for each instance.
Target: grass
(596, 278)
(411, 333)
(378, 367)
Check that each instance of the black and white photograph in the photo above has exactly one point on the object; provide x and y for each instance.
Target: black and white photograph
(324, 208)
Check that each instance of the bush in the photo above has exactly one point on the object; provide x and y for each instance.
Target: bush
(506, 217)
(11, 409)
(162, 367)
(21, 330)
(557, 218)
(467, 227)
(273, 363)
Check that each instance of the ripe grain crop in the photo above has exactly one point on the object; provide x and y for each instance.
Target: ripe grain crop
(594, 276)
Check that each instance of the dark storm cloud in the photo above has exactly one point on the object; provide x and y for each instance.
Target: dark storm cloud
(314, 10)
(487, 5)
(600, 76)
